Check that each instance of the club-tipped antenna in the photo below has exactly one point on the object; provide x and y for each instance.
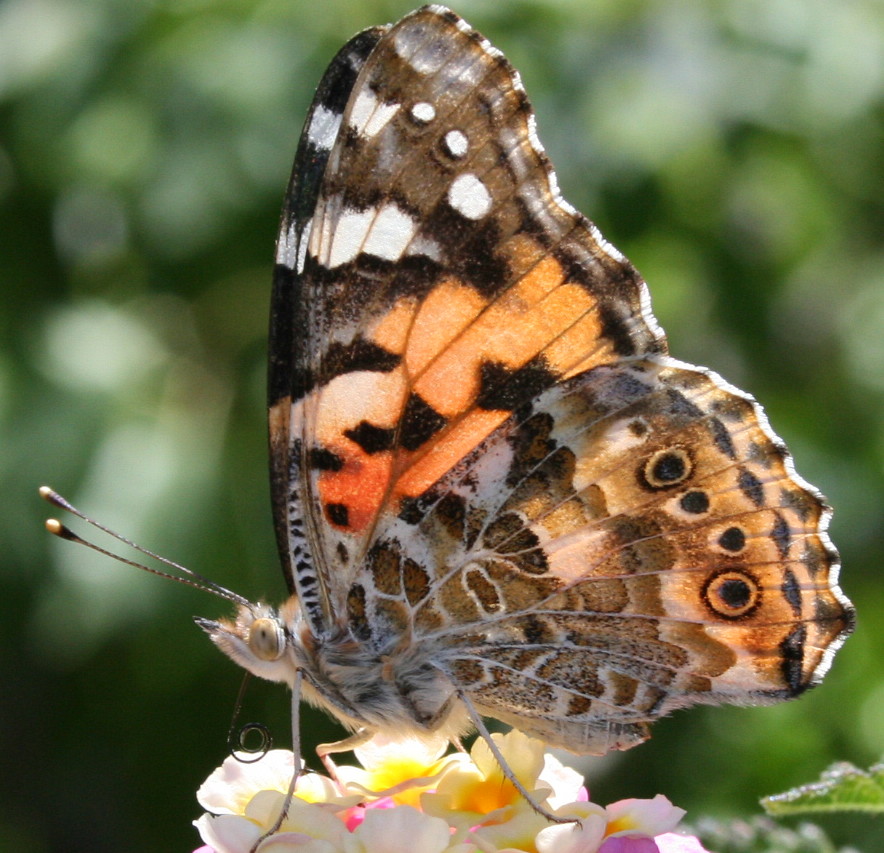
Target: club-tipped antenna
(194, 579)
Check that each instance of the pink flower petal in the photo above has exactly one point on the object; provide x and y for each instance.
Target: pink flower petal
(672, 842)
(627, 844)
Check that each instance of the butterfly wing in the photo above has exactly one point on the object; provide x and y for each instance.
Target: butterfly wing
(430, 280)
(485, 459)
(632, 541)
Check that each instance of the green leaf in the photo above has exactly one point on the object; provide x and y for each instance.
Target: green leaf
(841, 788)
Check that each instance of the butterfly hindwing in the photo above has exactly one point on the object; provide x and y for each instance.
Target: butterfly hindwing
(633, 541)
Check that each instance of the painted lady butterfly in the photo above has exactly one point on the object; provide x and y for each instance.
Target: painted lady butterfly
(494, 492)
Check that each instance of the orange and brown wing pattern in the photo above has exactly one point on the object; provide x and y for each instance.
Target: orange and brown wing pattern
(430, 280)
(632, 541)
(492, 485)
(291, 341)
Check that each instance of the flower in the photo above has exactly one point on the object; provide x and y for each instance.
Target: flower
(475, 796)
(400, 770)
(672, 842)
(627, 826)
(409, 797)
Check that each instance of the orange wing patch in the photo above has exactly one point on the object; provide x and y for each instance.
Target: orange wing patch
(460, 357)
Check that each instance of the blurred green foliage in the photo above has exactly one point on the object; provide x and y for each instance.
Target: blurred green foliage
(732, 149)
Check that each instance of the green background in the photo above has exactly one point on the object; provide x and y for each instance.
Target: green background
(733, 150)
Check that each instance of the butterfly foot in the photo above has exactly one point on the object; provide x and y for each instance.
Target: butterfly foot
(325, 750)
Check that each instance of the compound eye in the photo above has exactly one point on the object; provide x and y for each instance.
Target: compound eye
(266, 639)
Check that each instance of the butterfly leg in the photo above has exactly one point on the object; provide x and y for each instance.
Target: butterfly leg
(482, 729)
(457, 743)
(324, 750)
(296, 758)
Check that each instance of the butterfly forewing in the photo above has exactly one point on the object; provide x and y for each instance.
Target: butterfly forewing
(444, 282)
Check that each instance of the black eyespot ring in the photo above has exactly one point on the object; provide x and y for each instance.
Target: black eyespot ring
(732, 593)
(732, 540)
(695, 502)
(666, 468)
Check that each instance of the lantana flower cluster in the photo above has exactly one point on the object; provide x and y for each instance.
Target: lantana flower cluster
(408, 797)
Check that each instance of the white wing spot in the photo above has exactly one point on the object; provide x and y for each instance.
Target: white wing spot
(324, 126)
(384, 232)
(390, 234)
(469, 196)
(291, 250)
(456, 143)
(425, 246)
(303, 242)
(285, 247)
(369, 117)
(347, 235)
(423, 113)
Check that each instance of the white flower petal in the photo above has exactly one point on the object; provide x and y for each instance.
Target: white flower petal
(289, 842)
(229, 788)
(584, 837)
(401, 830)
(228, 833)
(644, 817)
(565, 782)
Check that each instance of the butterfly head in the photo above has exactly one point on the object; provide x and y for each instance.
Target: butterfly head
(261, 639)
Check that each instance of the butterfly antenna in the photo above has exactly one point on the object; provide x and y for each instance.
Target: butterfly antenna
(194, 579)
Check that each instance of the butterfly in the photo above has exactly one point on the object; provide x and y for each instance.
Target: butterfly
(495, 493)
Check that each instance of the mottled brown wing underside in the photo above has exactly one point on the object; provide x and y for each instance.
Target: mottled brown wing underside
(633, 541)
(290, 341)
(480, 443)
